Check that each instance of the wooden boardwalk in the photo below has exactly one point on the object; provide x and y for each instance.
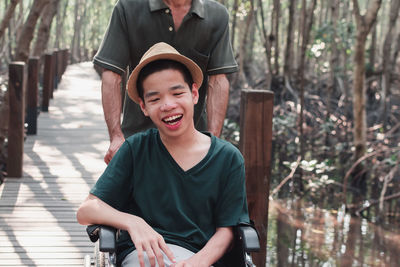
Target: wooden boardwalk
(37, 212)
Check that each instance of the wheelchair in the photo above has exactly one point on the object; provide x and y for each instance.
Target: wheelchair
(246, 240)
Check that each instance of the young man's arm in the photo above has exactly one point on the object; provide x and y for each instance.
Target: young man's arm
(215, 248)
(95, 211)
(217, 102)
(111, 99)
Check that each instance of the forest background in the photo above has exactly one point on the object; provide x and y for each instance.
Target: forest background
(333, 66)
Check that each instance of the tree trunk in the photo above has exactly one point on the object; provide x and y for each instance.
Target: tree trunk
(276, 13)
(306, 30)
(364, 25)
(44, 29)
(372, 50)
(7, 17)
(242, 51)
(345, 16)
(267, 46)
(387, 58)
(287, 68)
(396, 52)
(333, 61)
(60, 25)
(84, 54)
(234, 19)
(75, 49)
(26, 36)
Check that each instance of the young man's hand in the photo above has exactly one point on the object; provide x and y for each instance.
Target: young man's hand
(148, 241)
(182, 264)
(193, 261)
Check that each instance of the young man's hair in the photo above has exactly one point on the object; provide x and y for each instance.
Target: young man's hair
(160, 65)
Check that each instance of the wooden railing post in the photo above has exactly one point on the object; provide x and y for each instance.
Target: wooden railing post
(16, 86)
(33, 81)
(53, 74)
(65, 60)
(47, 81)
(256, 113)
(60, 65)
(56, 74)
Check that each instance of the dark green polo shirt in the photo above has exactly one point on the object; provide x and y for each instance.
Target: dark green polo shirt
(185, 207)
(136, 25)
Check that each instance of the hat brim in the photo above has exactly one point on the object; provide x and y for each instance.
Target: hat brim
(197, 74)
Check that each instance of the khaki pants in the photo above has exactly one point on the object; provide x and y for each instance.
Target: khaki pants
(180, 254)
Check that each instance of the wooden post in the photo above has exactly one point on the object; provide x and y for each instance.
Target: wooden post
(256, 113)
(33, 81)
(47, 81)
(16, 86)
(59, 66)
(65, 60)
(54, 73)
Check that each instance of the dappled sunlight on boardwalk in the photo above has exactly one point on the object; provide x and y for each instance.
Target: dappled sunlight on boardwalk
(37, 212)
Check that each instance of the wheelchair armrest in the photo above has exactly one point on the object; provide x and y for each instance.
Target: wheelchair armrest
(106, 236)
(248, 234)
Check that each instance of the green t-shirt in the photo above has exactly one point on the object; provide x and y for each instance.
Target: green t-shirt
(185, 207)
(136, 25)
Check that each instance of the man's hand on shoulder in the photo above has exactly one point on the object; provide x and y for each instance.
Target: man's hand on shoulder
(111, 100)
(115, 144)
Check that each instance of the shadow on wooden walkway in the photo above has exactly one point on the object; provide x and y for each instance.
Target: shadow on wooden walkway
(37, 212)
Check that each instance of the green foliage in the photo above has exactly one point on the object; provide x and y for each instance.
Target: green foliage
(391, 161)
(316, 173)
(281, 124)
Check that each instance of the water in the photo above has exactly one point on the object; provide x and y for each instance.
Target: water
(301, 234)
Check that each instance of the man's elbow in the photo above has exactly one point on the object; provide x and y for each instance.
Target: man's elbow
(218, 85)
(109, 77)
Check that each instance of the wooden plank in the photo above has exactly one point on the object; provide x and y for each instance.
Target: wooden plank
(49, 249)
(70, 235)
(41, 262)
(4, 209)
(45, 255)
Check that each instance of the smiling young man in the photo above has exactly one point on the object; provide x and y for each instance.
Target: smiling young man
(174, 191)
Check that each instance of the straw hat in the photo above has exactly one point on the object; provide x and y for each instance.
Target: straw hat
(162, 51)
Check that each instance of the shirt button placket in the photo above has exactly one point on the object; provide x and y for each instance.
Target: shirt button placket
(170, 28)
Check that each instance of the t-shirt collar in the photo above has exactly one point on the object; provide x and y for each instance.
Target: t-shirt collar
(197, 6)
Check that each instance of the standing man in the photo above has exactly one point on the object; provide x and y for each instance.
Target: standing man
(198, 29)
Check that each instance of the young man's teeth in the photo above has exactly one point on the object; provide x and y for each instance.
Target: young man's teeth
(173, 119)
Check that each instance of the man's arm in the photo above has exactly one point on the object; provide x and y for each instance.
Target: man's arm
(95, 211)
(215, 248)
(217, 102)
(111, 99)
